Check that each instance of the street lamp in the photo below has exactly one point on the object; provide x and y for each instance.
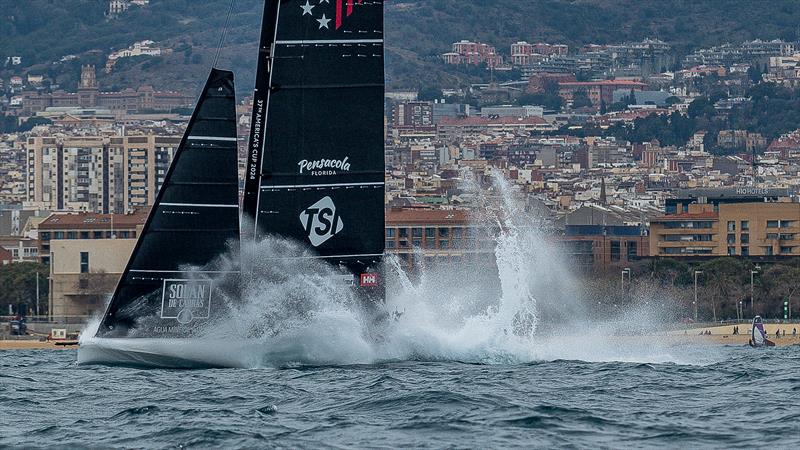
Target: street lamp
(752, 272)
(696, 273)
(626, 270)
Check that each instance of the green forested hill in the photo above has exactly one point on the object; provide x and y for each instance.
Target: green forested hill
(42, 31)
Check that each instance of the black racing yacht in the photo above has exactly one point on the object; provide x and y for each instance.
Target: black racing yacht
(314, 174)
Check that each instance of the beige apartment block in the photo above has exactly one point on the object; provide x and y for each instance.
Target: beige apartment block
(97, 173)
(83, 275)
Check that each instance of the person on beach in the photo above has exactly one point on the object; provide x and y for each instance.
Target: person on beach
(794, 331)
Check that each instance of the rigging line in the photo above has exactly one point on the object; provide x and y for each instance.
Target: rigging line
(224, 32)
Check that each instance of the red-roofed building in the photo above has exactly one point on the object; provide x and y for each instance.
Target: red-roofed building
(597, 91)
(85, 225)
(432, 233)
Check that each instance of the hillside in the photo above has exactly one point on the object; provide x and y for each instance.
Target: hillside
(42, 31)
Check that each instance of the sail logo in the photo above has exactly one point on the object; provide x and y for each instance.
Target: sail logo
(323, 166)
(369, 279)
(186, 300)
(321, 221)
(342, 9)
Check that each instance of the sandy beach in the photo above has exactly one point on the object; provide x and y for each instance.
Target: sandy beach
(720, 335)
(6, 344)
(724, 334)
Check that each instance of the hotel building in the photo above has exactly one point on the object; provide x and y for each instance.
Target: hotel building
(743, 222)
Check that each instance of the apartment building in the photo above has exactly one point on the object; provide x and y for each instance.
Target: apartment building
(96, 173)
(435, 235)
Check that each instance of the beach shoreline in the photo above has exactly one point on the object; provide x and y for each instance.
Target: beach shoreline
(719, 335)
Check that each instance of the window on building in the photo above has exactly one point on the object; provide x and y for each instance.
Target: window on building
(430, 243)
(83, 283)
(390, 232)
(731, 251)
(72, 235)
(768, 251)
(786, 237)
(430, 233)
(787, 223)
(786, 250)
(84, 235)
(444, 232)
(772, 224)
(745, 225)
(731, 239)
(442, 244)
(772, 235)
(456, 232)
(632, 250)
(403, 232)
(745, 250)
(124, 234)
(615, 251)
(416, 232)
(417, 243)
(744, 238)
(390, 244)
(59, 235)
(45, 235)
(731, 225)
(97, 235)
(84, 262)
(403, 244)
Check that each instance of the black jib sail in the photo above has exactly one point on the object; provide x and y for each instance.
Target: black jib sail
(167, 288)
(315, 169)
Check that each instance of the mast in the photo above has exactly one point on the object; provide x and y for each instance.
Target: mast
(167, 286)
(315, 169)
(258, 120)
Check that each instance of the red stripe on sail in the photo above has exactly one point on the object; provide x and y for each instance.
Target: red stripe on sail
(349, 7)
(338, 14)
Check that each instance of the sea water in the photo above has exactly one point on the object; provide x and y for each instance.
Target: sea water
(689, 397)
(492, 352)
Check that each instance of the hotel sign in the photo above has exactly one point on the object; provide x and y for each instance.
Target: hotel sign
(756, 191)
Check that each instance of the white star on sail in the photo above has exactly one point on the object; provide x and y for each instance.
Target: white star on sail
(323, 23)
(307, 8)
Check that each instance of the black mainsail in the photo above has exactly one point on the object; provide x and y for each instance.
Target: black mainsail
(315, 169)
(193, 221)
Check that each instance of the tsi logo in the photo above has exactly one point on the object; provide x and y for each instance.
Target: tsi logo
(321, 221)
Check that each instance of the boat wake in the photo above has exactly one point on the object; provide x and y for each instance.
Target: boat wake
(519, 304)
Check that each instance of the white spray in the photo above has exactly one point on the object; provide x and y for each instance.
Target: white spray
(295, 309)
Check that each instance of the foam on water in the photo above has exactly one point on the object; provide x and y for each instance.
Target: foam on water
(524, 306)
